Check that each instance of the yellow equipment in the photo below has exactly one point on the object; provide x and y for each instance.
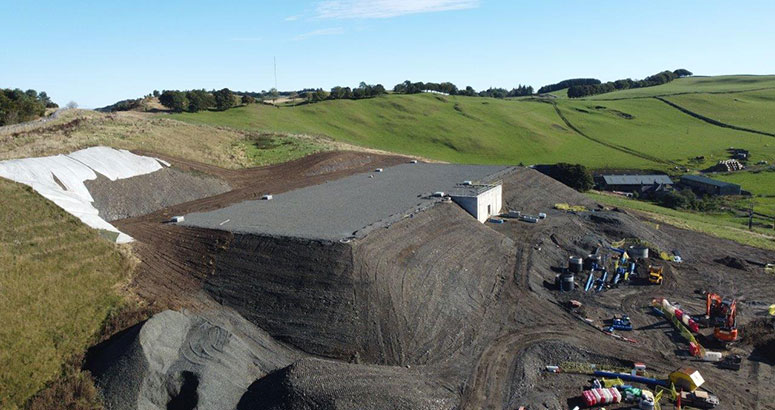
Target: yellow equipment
(655, 274)
(687, 378)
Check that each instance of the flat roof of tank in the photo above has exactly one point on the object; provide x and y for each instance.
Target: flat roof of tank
(347, 207)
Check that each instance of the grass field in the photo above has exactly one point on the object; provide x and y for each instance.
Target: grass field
(752, 109)
(455, 129)
(56, 287)
(716, 225)
(626, 133)
(715, 84)
(225, 147)
(654, 128)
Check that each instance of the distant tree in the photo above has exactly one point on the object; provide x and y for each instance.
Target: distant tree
(469, 91)
(224, 99)
(682, 72)
(173, 100)
(45, 100)
(199, 100)
(337, 93)
(378, 89)
(246, 100)
(575, 176)
(273, 94)
(72, 105)
(156, 93)
(568, 83)
(19, 106)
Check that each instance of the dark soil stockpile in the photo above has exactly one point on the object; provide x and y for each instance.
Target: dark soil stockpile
(760, 334)
(143, 194)
(732, 262)
(326, 384)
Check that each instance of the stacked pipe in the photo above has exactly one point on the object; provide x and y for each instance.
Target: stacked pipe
(680, 315)
(594, 397)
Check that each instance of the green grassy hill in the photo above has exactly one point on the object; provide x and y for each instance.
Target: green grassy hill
(56, 288)
(625, 133)
(715, 84)
(750, 109)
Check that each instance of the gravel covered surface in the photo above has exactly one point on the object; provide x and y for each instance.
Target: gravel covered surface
(143, 194)
(183, 360)
(346, 207)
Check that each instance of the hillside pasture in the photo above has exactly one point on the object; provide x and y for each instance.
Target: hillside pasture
(696, 84)
(56, 285)
(753, 109)
(447, 128)
(654, 128)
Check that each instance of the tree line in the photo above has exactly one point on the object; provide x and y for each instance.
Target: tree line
(568, 83)
(19, 106)
(199, 100)
(583, 90)
(408, 87)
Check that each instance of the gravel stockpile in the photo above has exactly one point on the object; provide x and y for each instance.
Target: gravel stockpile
(345, 207)
(184, 361)
(143, 194)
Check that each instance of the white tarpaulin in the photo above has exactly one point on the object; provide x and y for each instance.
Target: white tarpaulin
(60, 178)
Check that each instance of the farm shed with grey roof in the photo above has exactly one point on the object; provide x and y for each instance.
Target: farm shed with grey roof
(352, 206)
(631, 183)
(710, 186)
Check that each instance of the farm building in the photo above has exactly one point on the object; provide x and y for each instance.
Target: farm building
(705, 185)
(353, 206)
(635, 183)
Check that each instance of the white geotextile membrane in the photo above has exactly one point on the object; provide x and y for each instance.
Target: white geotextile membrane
(71, 171)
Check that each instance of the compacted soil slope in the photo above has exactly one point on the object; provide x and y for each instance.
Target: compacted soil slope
(435, 310)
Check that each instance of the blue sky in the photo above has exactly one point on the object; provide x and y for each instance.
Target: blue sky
(98, 52)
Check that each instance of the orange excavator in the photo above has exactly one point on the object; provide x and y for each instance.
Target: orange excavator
(722, 314)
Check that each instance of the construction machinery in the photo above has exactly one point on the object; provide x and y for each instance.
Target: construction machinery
(656, 274)
(620, 323)
(731, 362)
(721, 313)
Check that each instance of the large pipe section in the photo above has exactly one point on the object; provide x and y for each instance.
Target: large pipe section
(681, 315)
(631, 378)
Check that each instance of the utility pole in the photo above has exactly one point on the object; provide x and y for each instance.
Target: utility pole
(750, 217)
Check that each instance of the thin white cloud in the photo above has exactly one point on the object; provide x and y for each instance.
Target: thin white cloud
(322, 32)
(291, 18)
(365, 9)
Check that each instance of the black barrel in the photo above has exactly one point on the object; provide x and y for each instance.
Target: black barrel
(567, 282)
(575, 264)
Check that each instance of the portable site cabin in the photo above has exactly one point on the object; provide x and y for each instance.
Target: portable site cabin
(480, 200)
